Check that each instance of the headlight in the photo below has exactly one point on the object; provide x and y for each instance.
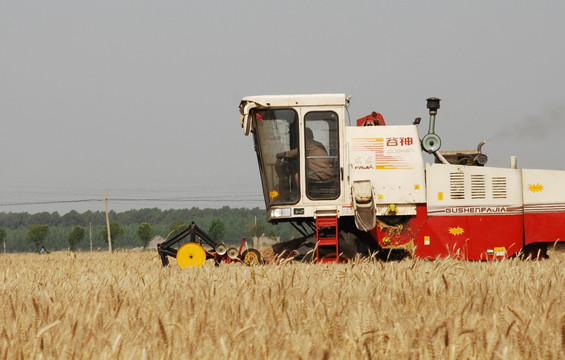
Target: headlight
(280, 212)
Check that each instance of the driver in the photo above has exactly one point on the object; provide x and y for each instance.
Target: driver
(318, 165)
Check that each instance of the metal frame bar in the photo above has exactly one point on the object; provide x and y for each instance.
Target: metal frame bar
(165, 248)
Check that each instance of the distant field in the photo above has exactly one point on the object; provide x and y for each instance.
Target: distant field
(126, 306)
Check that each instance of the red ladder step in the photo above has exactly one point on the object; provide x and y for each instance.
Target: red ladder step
(328, 237)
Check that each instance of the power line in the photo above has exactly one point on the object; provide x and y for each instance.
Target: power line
(188, 199)
(49, 202)
(38, 196)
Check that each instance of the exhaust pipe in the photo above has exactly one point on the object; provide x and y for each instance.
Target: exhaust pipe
(431, 142)
(481, 159)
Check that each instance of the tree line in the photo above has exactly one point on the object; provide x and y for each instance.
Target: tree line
(24, 232)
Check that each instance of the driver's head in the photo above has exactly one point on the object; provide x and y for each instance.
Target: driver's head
(309, 134)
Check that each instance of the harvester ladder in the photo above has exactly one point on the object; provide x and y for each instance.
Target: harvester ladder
(328, 237)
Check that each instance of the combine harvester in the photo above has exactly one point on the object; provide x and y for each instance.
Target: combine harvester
(366, 188)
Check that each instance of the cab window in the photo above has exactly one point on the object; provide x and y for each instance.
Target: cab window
(276, 137)
(321, 146)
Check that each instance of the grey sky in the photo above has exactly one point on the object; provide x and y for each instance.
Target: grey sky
(140, 97)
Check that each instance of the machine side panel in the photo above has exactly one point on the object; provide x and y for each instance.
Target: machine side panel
(460, 190)
(400, 235)
(476, 237)
(544, 205)
(473, 212)
(391, 158)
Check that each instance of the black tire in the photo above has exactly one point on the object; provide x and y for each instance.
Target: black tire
(251, 257)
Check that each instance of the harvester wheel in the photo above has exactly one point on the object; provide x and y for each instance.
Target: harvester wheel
(191, 254)
(251, 257)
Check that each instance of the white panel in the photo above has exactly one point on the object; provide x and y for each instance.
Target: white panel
(391, 158)
(459, 189)
(543, 186)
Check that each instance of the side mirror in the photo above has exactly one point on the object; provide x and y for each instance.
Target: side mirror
(246, 124)
(245, 117)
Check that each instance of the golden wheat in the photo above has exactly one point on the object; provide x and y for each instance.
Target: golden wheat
(126, 306)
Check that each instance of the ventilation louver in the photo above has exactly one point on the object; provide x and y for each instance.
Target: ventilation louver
(457, 182)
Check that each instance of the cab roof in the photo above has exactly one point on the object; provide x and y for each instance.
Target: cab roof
(297, 100)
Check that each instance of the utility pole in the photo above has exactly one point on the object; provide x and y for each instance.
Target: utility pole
(108, 222)
(254, 239)
(91, 236)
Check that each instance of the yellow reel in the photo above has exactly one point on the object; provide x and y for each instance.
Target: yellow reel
(191, 254)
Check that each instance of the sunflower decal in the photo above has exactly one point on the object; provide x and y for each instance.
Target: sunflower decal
(273, 194)
(456, 231)
(535, 187)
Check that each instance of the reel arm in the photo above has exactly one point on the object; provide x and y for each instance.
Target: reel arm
(166, 248)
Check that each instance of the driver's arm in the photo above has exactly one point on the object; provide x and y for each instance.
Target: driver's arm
(290, 153)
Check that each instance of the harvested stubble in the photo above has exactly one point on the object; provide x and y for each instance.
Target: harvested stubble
(125, 305)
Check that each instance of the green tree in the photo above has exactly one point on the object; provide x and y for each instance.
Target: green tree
(75, 236)
(116, 230)
(72, 218)
(3, 238)
(37, 234)
(144, 233)
(217, 230)
(176, 227)
(259, 229)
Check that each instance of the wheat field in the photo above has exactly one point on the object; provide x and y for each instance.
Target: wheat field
(125, 305)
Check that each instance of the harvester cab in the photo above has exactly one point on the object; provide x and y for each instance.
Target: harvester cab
(312, 165)
(299, 143)
(371, 180)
